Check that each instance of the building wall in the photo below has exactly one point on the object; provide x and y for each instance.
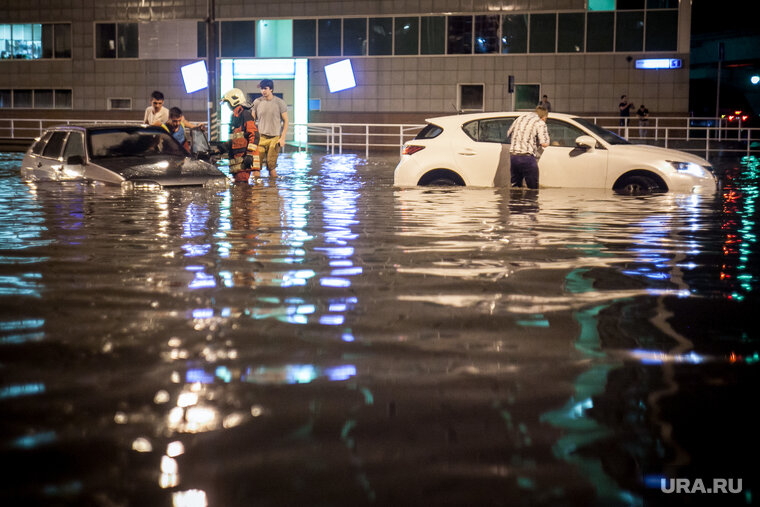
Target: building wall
(406, 88)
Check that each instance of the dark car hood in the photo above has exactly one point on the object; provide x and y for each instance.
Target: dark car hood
(164, 170)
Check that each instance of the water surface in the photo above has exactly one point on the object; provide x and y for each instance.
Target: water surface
(329, 339)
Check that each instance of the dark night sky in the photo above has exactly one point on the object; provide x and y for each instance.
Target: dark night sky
(710, 16)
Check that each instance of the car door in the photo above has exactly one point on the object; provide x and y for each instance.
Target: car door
(479, 156)
(562, 164)
(74, 156)
(49, 165)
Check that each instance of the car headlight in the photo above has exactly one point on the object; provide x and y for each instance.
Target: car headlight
(688, 168)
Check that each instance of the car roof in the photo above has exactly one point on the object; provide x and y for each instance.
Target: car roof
(92, 127)
(459, 119)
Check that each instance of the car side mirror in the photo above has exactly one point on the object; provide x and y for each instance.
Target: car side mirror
(75, 160)
(585, 143)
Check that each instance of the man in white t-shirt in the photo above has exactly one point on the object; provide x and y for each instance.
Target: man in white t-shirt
(271, 114)
(156, 114)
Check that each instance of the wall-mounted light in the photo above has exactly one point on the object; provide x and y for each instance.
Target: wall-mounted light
(659, 63)
(195, 76)
(340, 76)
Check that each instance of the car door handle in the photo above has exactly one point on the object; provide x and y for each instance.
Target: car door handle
(467, 152)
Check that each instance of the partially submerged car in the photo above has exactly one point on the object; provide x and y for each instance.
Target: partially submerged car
(473, 150)
(127, 155)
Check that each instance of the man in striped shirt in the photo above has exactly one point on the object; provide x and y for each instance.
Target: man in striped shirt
(527, 133)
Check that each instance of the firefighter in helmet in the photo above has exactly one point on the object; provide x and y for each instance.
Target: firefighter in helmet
(243, 145)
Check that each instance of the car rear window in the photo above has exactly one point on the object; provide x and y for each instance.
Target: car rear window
(429, 132)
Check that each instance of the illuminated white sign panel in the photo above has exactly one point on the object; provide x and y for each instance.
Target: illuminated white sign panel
(659, 63)
(195, 76)
(340, 76)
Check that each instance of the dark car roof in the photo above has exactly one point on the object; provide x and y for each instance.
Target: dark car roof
(94, 127)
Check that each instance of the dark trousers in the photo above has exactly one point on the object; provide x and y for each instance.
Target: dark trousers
(524, 167)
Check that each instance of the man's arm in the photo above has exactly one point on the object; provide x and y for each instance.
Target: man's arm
(284, 129)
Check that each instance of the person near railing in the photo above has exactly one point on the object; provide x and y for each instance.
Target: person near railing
(643, 114)
(625, 110)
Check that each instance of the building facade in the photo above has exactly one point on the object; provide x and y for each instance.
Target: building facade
(410, 59)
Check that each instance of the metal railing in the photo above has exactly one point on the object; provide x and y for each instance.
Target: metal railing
(703, 136)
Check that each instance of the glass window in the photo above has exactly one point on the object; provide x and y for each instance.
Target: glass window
(601, 5)
(543, 29)
(43, 99)
(62, 40)
(354, 36)
(329, 37)
(274, 38)
(629, 34)
(21, 41)
(470, 97)
(471, 129)
(527, 96)
(599, 31)
(486, 34)
(429, 131)
(201, 39)
(494, 130)
(40, 145)
(5, 99)
(238, 38)
(662, 4)
(380, 36)
(63, 99)
(662, 31)
(460, 35)
(630, 5)
(105, 40)
(54, 145)
(47, 41)
(22, 98)
(514, 34)
(570, 32)
(563, 134)
(432, 35)
(407, 32)
(74, 146)
(304, 37)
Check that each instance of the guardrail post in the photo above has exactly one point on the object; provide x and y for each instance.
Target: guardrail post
(749, 141)
(707, 144)
(366, 141)
(340, 139)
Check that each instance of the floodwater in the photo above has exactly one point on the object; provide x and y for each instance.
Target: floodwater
(330, 340)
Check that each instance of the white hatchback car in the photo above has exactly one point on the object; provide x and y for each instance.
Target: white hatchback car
(473, 150)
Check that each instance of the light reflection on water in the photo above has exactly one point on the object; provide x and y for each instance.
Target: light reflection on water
(330, 339)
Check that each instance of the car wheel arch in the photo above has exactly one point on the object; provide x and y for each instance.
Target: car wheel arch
(637, 174)
(434, 175)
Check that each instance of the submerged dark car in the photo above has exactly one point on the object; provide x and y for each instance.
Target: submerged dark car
(118, 154)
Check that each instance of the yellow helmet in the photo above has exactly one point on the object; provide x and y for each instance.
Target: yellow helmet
(234, 98)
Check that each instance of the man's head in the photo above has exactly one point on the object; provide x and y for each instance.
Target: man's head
(623, 97)
(267, 87)
(175, 117)
(546, 97)
(542, 112)
(157, 100)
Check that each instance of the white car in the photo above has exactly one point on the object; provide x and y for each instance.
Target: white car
(473, 150)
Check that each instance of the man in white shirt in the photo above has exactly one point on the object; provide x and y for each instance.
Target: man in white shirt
(271, 114)
(527, 133)
(156, 114)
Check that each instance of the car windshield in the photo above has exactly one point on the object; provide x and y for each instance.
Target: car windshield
(132, 143)
(605, 134)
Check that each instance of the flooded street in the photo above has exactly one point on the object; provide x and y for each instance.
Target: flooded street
(331, 340)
